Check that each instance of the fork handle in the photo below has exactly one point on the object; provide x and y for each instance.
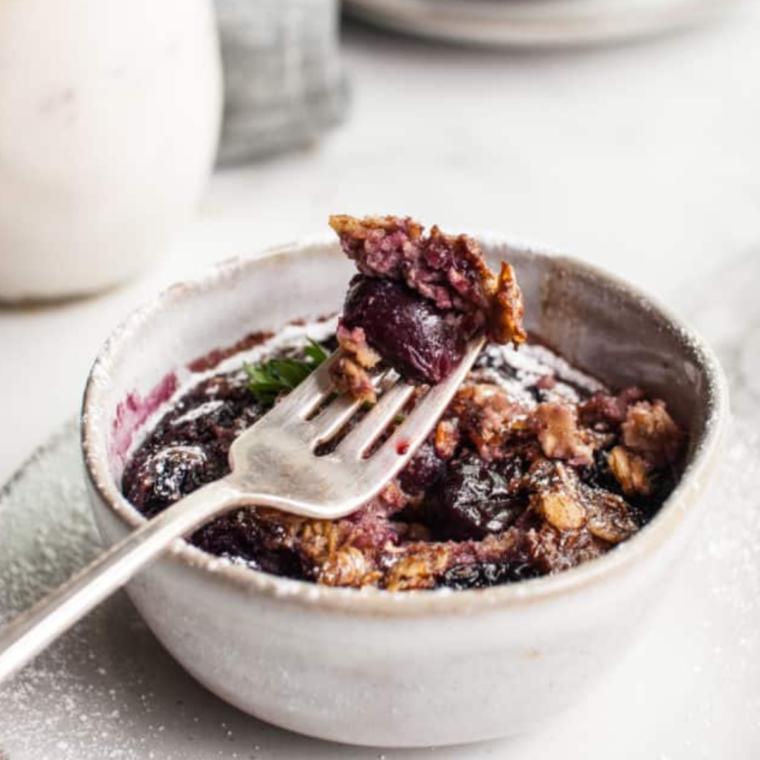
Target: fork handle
(33, 630)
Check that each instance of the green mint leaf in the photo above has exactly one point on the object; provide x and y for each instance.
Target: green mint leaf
(315, 352)
(269, 379)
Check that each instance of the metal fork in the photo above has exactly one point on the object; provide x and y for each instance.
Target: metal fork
(273, 464)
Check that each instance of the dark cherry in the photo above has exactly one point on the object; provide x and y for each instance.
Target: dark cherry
(261, 545)
(189, 446)
(485, 574)
(476, 498)
(422, 471)
(422, 342)
(205, 422)
(160, 478)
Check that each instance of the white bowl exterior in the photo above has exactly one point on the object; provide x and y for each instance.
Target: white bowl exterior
(428, 668)
(388, 681)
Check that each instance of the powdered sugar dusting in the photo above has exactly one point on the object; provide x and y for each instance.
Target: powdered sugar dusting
(728, 551)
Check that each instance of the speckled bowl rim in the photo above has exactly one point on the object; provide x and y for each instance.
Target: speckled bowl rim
(371, 601)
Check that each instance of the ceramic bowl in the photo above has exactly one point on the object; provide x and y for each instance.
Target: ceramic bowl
(408, 669)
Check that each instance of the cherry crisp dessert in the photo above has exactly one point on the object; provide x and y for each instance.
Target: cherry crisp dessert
(534, 468)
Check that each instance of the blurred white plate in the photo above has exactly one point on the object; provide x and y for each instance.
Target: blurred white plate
(535, 23)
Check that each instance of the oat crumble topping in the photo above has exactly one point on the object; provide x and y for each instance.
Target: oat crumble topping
(535, 466)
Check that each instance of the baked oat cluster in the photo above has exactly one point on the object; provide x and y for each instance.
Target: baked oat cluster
(534, 468)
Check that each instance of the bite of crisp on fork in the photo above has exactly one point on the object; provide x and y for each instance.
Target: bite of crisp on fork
(417, 300)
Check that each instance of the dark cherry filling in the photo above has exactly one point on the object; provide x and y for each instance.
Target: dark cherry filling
(476, 498)
(259, 544)
(485, 574)
(189, 446)
(490, 498)
(424, 470)
(421, 341)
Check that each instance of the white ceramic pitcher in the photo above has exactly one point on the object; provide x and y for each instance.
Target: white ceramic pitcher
(109, 116)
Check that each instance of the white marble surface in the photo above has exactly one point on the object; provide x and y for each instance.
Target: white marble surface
(643, 159)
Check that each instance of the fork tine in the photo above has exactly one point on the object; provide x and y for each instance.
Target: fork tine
(340, 411)
(329, 422)
(366, 432)
(274, 464)
(308, 394)
(393, 454)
